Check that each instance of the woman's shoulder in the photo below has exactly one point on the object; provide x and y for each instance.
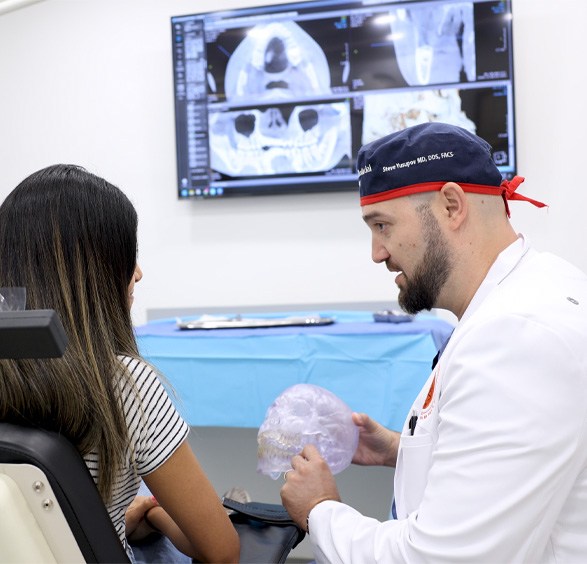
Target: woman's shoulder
(136, 366)
(140, 377)
(156, 428)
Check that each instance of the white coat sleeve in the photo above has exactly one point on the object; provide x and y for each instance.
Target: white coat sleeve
(330, 523)
(510, 430)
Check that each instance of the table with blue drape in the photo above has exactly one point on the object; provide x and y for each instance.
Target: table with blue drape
(229, 377)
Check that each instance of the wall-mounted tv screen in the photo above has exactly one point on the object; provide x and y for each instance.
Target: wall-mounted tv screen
(278, 99)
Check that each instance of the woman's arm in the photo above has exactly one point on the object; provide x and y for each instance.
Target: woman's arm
(190, 513)
(145, 516)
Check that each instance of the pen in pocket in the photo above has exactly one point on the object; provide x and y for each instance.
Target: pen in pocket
(412, 422)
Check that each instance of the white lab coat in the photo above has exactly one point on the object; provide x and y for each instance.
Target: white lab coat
(496, 470)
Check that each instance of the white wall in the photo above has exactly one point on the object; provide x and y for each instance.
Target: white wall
(90, 82)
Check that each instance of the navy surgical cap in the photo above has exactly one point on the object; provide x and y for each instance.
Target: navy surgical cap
(423, 158)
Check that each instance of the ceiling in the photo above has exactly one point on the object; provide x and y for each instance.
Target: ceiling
(10, 5)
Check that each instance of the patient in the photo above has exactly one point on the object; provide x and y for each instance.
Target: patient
(70, 238)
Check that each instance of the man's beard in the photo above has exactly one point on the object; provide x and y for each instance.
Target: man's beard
(423, 287)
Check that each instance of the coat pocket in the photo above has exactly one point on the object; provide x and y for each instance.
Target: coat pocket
(412, 472)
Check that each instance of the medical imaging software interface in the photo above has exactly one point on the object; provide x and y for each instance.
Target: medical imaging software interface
(278, 99)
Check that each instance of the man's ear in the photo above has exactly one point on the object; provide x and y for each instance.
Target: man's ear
(454, 203)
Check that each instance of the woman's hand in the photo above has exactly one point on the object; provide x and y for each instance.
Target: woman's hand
(137, 527)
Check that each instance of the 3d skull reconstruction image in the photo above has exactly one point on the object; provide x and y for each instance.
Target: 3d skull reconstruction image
(388, 112)
(276, 63)
(435, 45)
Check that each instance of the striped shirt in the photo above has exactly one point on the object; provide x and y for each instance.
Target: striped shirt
(155, 431)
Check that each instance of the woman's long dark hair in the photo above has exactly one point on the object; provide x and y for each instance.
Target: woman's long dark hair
(70, 238)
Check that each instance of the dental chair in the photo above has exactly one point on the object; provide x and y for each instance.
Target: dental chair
(50, 508)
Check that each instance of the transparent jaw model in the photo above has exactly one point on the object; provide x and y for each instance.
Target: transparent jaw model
(306, 414)
(274, 64)
(435, 45)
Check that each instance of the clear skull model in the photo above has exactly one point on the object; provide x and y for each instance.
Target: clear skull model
(306, 414)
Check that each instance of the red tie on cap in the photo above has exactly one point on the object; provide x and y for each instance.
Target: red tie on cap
(509, 193)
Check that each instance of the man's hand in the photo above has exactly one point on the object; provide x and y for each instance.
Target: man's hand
(308, 483)
(378, 445)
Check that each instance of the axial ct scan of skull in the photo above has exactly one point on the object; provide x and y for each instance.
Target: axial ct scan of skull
(435, 45)
(274, 72)
(276, 61)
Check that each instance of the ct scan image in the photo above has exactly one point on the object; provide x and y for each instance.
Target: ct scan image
(386, 113)
(280, 139)
(434, 45)
(276, 63)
